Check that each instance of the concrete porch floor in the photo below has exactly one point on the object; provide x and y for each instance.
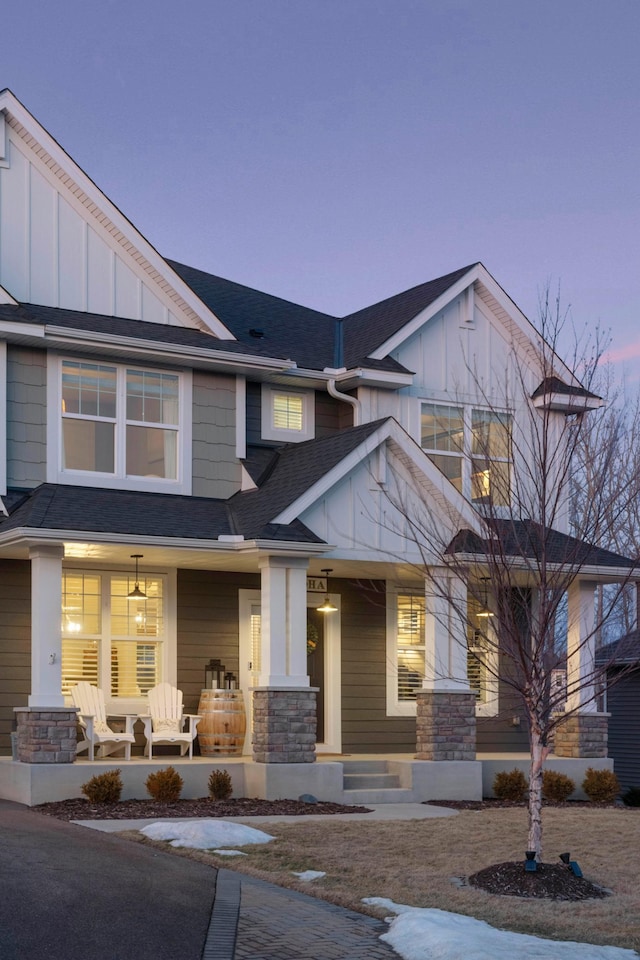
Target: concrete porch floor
(414, 780)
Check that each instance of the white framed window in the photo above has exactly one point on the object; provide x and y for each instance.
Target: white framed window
(406, 655)
(123, 646)
(406, 620)
(119, 426)
(287, 415)
(471, 447)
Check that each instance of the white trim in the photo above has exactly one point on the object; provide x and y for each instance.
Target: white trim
(395, 707)
(269, 432)
(3, 418)
(118, 481)
(241, 418)
(250, 599)
(5, 297)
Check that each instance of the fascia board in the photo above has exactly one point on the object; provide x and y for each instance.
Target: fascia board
(425, 315)
(14, 328)
(587, 572)
(524, 325)
(64, 336)
(390, 430)
(33, 535)
(10, 104)
(287, 547)
(365, 377)
(566, 403)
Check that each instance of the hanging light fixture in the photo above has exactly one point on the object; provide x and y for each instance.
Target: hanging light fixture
(484, 610)
(136, 593)
(327, 606)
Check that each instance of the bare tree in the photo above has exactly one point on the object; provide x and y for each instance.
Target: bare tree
(554, 486)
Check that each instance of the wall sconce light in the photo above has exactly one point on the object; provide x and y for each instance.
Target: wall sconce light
(484, 610)
(327, 606)
(136, 593)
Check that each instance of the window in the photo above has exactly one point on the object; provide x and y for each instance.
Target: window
(115, 643)
(287, 415)
(405, 650)
(120, 426)
(472, 448)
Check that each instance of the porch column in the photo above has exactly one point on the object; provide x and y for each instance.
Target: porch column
(284, 705)
(445, 707)
(46, 728)
(46, 633)
(584, 732)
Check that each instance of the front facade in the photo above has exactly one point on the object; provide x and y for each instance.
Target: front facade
(242, 458)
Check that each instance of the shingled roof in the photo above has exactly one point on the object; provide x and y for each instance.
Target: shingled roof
(528, 540)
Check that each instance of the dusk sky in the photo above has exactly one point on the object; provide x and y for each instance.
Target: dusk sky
(335, 152)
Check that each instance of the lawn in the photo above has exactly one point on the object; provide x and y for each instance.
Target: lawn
(414, 862)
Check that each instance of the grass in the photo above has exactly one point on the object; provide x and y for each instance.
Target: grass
(413, 863)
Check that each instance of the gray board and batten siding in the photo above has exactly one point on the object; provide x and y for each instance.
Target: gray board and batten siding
(623, 700)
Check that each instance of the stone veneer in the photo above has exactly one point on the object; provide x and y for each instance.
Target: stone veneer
(46, 734)
(445, 725)
(284, 725)
(582, 735)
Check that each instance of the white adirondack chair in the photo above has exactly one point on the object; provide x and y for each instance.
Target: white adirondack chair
(93, 720)
(165, 721)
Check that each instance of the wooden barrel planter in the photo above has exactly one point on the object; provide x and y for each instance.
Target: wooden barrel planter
(223, 725)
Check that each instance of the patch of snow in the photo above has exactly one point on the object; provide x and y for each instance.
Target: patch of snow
(230, 853)
(424, 934)
(205, 834)
(307, 875)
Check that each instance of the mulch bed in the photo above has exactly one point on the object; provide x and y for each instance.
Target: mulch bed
(491, 803)
(81, 809)
(551, 881)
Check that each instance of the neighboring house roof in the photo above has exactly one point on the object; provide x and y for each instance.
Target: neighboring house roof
(625, 650)
(528, 540)
(292, 471)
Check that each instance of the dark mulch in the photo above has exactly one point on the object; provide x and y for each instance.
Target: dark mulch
(491, 803)
(551, 881)
(81, 809)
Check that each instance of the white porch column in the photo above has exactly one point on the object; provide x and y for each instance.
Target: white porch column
(284, 622)
(46, 636)
(446, 633)
(581, 647)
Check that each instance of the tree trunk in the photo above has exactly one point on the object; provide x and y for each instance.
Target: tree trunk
(539, 753)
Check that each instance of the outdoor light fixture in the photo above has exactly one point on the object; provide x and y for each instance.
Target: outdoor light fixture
(327, 606)
(530, 864)
(136, 593)
(484, 610)
(571, 864)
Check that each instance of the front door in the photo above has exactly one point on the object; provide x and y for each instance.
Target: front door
(315, 664)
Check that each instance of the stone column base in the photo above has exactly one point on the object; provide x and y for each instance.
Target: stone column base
(284, 725)
(445, 725)
(582, 735)
(46, 734)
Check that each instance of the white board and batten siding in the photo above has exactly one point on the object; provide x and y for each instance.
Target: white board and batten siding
(56, 252)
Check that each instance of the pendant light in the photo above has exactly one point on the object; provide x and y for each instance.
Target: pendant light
(484, 612)
(327, 606)
(136, 593)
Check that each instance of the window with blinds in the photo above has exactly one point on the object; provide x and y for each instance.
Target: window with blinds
(108, 640)
(410, 644)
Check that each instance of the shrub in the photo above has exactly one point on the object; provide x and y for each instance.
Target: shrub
(601, 786)
(632, 797)
(556, 786)
(220, 787)
(104, 787)
(510, 786)
(164, 785)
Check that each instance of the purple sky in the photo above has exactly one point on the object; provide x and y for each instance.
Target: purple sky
(334, 152)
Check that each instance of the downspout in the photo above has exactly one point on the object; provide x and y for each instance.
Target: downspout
(338, 364)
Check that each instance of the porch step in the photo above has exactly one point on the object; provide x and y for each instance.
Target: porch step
(364, 797)
(365, 766)
(370, 781)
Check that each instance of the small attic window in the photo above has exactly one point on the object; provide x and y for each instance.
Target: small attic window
(287, 415)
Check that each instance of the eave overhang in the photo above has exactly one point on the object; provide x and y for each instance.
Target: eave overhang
(567, 403)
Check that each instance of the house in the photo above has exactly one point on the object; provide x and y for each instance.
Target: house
(239, 458)
(622, 658)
